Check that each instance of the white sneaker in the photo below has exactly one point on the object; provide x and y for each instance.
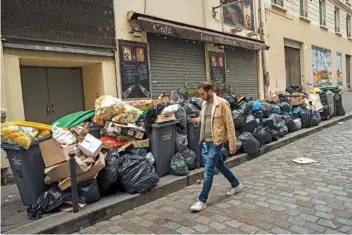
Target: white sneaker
(233, 191)
(199, 206)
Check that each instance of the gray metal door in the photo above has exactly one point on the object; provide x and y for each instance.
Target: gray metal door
(173, 62)
(348, 71)
(242, 71)
(50, 93)
(292, 66)
(65, 91)
(35, 94)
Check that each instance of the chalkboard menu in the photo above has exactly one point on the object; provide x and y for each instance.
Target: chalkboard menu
(134, 69)
(217, 66)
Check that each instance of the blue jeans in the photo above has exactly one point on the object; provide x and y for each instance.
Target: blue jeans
(214, 159)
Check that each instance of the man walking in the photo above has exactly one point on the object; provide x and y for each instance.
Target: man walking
(216, 127)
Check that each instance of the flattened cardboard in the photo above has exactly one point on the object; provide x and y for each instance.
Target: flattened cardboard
(86, 176)
(53, 153)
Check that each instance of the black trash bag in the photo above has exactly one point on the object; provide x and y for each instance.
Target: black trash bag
(190, 158)
(325, 114)
(281, 128)
(238, 143)
(181, 142)
(291, 126)
(244, 108)
(178, 165)
(306, 118)
(249, 144)
(136, 174)
(224, 153)
(266, 109)
(50, 201)
(231, 100)
(181, 116)
(275, 109)
(315, 118)
(276, 117)
(88, 192)
(237, 133)
(191, 110)
(251, 124)
(238, 119)
(285, 107)
(196, 102)
(275, 134)
(269, 122)
(108, 176)
(293, 88)
(340, 111)
(137, 151)
(263, 135)
(297, 111)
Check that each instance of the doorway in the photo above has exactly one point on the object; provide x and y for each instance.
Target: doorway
(292, 66)
(348, 71)
(51, 93)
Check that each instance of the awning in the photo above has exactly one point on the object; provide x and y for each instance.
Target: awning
(151, 25)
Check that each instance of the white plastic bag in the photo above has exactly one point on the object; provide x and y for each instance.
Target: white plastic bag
(62, 136)
(150, 158)
(170, 109)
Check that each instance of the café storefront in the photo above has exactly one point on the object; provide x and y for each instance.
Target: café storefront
(178, 53)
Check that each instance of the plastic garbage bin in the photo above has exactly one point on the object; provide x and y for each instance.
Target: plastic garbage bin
(193, 135)
(28, 170)
(163, 141)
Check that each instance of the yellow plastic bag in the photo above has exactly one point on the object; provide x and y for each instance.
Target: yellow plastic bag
(36, 125)
(22, 136)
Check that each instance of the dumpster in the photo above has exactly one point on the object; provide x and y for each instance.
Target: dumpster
(163, 145)
(193, 135)
(28, 170)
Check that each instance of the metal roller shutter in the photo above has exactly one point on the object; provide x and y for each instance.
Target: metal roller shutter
(242, 71)
(173, 62)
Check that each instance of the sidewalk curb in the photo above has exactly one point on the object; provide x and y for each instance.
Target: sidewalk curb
(107, 207)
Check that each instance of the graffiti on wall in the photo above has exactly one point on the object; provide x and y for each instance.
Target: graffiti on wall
(321, 66)
(339, 69)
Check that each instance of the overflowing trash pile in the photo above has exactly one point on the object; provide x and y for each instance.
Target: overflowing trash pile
(127, 146)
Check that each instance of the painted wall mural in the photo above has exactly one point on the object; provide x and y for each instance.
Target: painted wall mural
(321, 66)
(339, 69)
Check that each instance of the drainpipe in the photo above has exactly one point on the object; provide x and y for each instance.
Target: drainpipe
(264, 52)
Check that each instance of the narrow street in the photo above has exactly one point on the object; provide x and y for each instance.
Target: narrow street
(279, 197)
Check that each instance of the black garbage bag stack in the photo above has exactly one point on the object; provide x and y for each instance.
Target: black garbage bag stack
(249, 144)
(263, 135)
(238, 119)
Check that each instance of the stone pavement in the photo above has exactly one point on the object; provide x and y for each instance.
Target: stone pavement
(279, 197)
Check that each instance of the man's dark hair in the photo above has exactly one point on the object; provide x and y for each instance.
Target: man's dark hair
(206, 86)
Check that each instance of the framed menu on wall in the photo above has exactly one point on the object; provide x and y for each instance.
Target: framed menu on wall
(134, 70)
(217, 66)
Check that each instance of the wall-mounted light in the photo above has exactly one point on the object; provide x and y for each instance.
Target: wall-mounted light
(137, 33)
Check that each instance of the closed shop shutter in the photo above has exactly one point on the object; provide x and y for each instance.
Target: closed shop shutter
(242, 71)
(174, 61)
(292, 66)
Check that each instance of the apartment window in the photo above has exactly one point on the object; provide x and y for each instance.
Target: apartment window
(303, 4)
(337, 19)
(322, 12)
(348, 26)
(278, 2)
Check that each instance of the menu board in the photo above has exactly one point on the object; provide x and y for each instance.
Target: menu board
(217, 66)
(134, 69)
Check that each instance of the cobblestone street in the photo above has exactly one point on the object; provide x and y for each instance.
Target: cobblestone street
(279, 197)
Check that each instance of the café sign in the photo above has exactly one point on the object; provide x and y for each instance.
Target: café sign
(170, 29)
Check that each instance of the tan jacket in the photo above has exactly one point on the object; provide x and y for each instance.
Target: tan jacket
(223, 127)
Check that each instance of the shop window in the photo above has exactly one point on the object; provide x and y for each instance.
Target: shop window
(337, 19)
(303, 4)
(348, 26)
(322, 12)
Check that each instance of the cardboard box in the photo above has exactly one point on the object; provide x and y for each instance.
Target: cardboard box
(86, 176)
(165, 118)
(295, 98)
(113, 129)
(53, 153)
(90, 146)
(62, 170)
(142, 144)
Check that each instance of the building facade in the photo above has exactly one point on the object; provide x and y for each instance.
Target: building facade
(310, 43)
(164, 44)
